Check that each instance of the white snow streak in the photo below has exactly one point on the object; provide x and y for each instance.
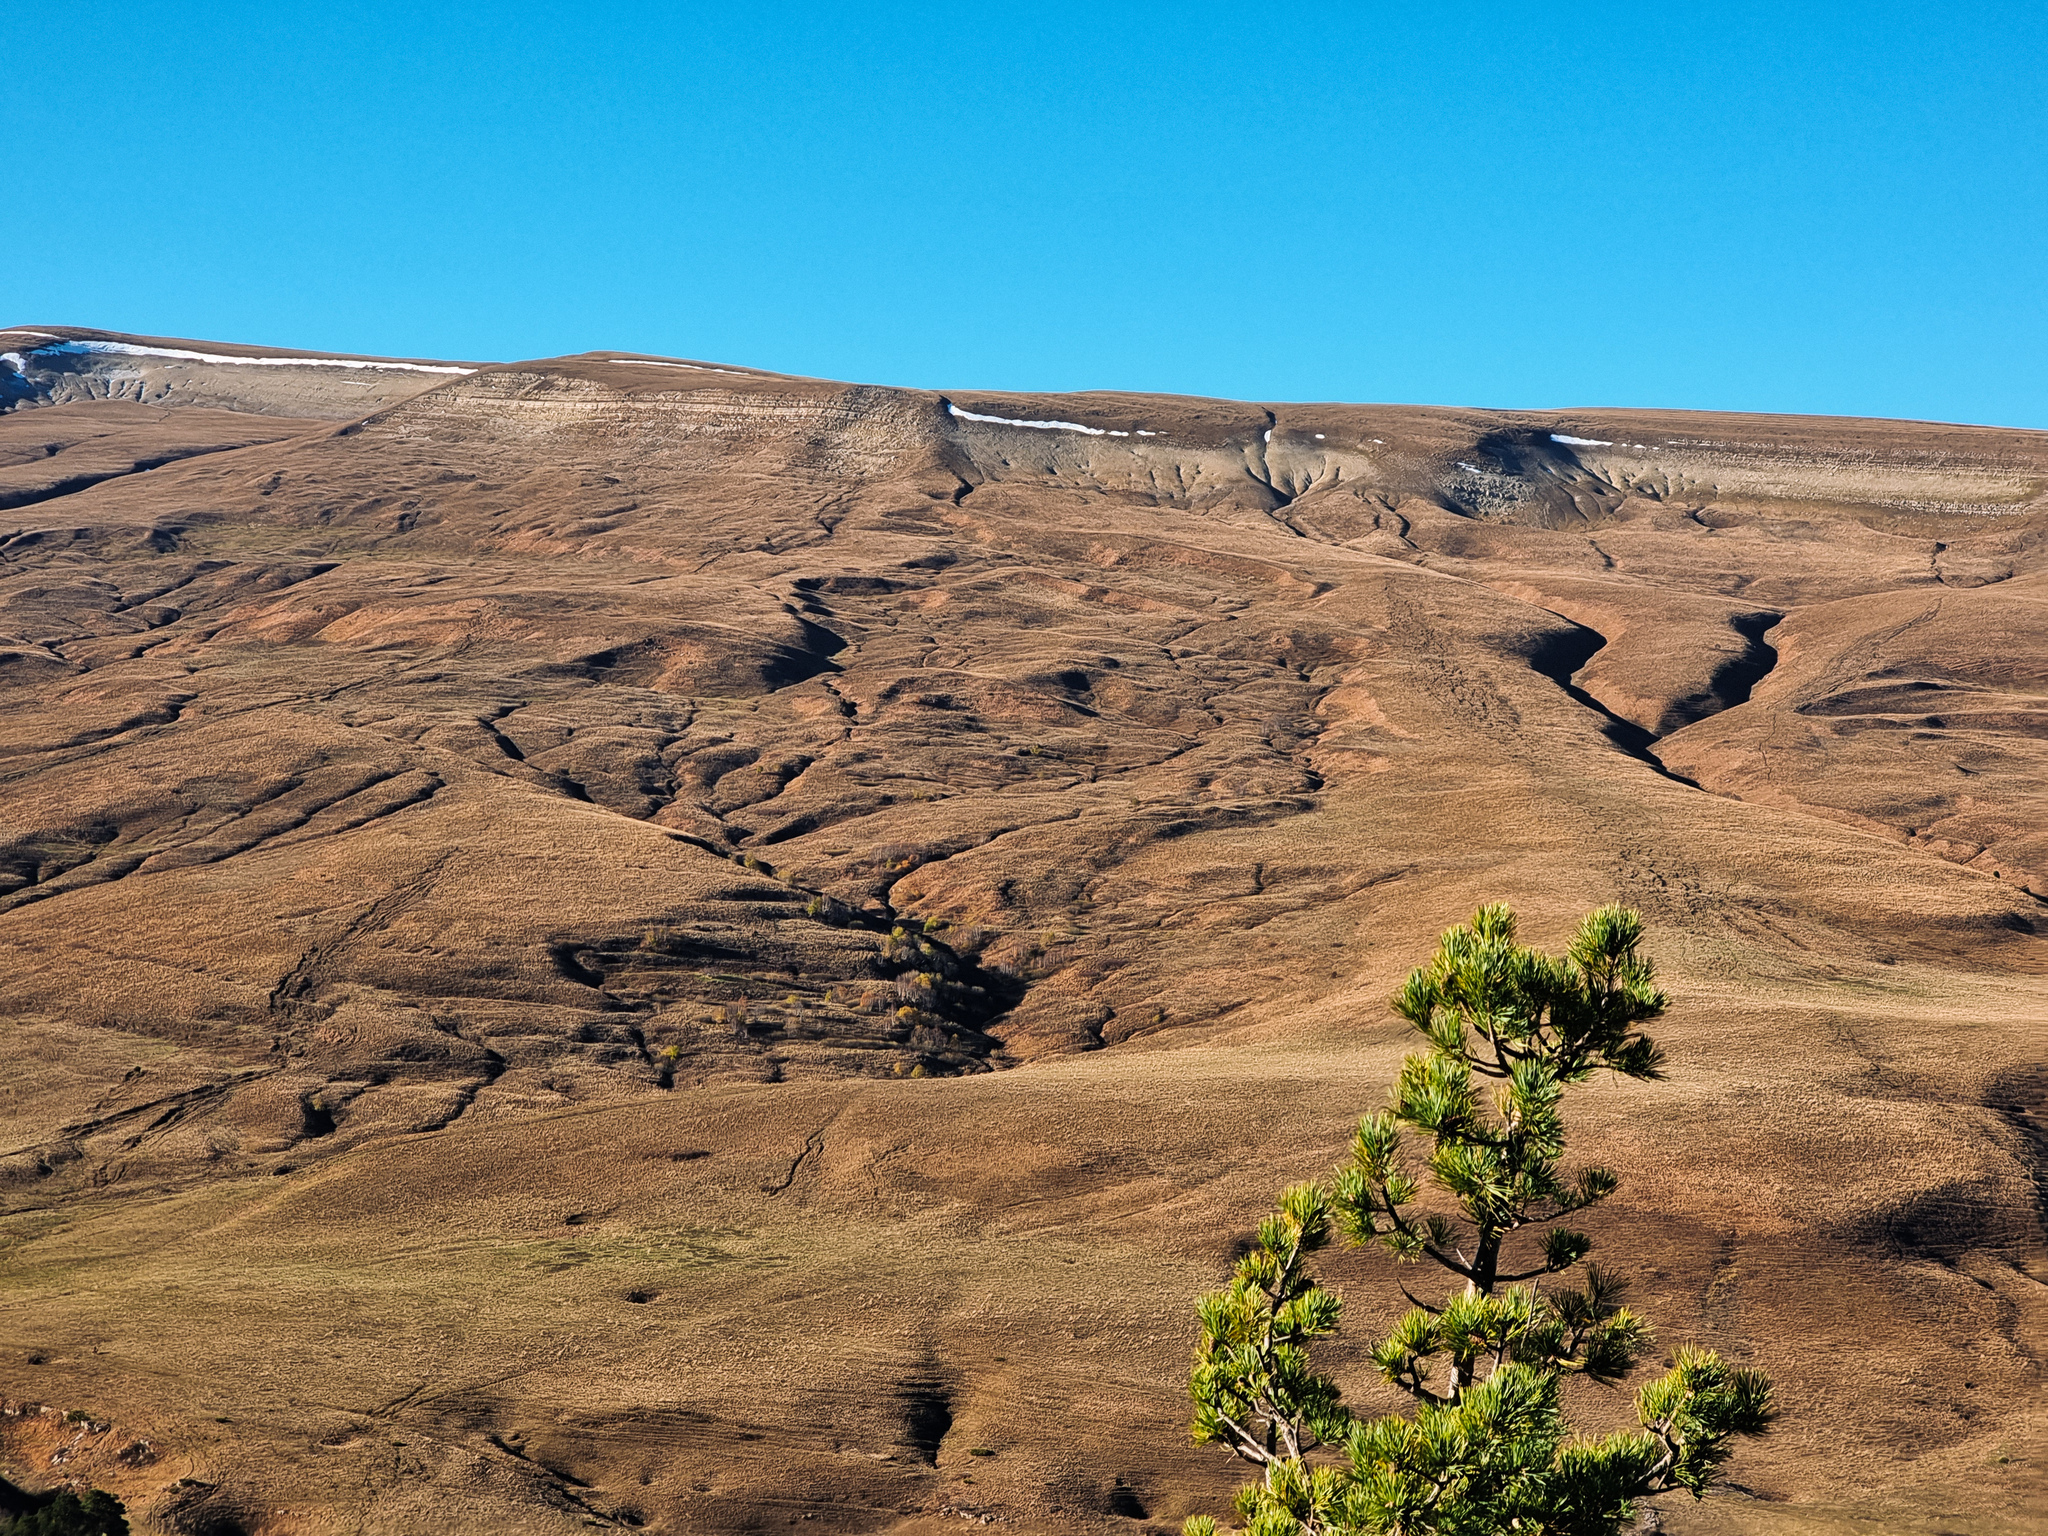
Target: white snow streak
(1042, 426)
(648, 362)
(1579, 442)
(127, 349)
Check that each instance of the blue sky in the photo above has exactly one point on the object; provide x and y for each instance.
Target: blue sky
(1836, 209)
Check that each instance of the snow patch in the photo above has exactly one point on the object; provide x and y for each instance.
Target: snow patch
(128, 349)
(1268, 437)
(1042, 426)
(1579, 442)
(1474, 468)
(15, 360)
(1143, 433)
(1319, 437)
(648, 362)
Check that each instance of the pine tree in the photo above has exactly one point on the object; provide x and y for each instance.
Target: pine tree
(1485, 1447)
(64, 1513)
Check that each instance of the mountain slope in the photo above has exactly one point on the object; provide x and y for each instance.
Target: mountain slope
(904, 877)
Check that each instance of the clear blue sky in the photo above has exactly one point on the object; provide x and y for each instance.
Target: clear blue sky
(1834, 208)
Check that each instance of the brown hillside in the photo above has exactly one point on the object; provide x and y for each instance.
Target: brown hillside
(612, 941)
